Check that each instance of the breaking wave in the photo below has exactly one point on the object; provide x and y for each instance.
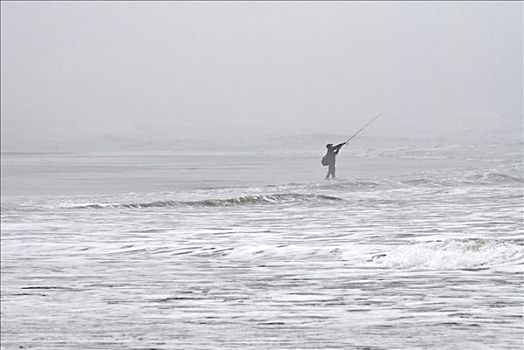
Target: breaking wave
(451, 254)
(437, 255)
(237, 201)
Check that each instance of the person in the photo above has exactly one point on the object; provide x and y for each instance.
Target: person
(329, 158)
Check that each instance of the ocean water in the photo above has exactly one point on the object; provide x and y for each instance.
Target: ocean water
(410, 248)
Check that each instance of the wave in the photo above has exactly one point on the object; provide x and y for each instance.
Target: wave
(322, 192)
(451, 254)
(493, 177)
(437, 255)
(237, 201)
(425, 180)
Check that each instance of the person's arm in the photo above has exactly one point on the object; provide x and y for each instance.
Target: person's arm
(338, 147)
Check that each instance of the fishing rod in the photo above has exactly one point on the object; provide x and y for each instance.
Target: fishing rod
(362, 128)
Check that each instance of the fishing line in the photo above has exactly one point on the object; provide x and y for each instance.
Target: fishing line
(362, 128)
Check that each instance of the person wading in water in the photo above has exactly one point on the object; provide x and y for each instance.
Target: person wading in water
(329, 159)
(332, 151)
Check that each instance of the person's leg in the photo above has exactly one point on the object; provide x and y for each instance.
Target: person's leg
(331, 171)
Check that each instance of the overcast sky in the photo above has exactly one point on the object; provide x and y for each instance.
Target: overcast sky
(79, 70)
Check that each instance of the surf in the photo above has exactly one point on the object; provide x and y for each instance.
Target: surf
(263, 199)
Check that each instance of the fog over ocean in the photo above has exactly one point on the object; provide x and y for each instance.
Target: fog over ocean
(162, 186)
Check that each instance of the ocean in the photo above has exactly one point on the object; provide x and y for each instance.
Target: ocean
(409, 248)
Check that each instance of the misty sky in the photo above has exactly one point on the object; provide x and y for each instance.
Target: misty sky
(167, 70)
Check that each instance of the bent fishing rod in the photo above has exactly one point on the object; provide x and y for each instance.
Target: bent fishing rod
(362, 128)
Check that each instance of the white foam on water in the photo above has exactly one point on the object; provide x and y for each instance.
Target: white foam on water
(452, 254)
(437, 255)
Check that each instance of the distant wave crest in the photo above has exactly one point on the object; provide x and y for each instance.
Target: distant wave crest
(497, 178)
(216, 202)
(425, 180)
